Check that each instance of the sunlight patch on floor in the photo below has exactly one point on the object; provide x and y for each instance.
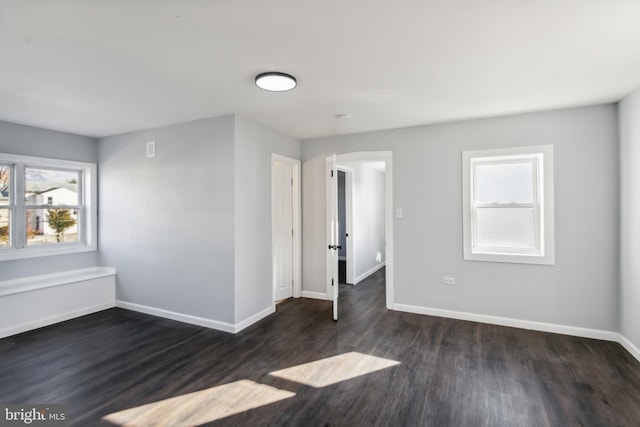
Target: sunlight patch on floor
(332, 370)
(202, 406)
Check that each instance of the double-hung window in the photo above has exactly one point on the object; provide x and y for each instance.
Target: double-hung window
(508, 205)
(47, 207)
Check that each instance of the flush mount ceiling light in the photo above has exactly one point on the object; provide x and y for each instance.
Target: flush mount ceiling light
(274, 81)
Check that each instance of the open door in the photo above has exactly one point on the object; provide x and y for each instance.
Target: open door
(332, 224)
(333, 246)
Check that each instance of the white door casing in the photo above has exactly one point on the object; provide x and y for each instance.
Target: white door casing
(334, 241)
(331, 207)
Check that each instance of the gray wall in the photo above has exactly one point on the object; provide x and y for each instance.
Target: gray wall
(254, 144)
(30, 141)
(368, 219)
(580, 290)
(167, 223)
(629, 116)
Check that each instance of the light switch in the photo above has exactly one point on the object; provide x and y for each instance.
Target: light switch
(398, 212)
(151, 149)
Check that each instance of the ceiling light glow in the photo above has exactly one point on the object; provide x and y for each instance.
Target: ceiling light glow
(274, 81)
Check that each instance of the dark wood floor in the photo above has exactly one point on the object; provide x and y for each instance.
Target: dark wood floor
(451, 373)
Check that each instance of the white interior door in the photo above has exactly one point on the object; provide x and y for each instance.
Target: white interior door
(282, 229)
(332, 203)
(346, 226)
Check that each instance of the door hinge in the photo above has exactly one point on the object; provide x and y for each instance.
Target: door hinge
(331, 282)
(332, 174)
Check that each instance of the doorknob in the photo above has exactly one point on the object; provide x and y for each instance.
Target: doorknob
(334, 247)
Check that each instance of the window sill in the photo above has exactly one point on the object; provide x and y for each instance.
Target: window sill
(510, 258)
(16, 254)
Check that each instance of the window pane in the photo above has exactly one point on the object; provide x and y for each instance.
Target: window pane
(5, 187)
(46, 226)
(504, 183)
(505, 227)
(4, 228)
(5, 184)
(51, 187)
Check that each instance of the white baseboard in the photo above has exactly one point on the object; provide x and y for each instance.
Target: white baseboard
(180, 317)
(62, 317)
(525, 324)
(628, 345)
(514, 323)
(368, 273)
(253, 319)
(196, 320)
(314, 295)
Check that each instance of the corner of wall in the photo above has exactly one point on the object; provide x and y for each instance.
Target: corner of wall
(253, 145)
(629, 248)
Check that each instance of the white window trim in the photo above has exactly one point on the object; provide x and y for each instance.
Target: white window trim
(543, 206)
(88, 188)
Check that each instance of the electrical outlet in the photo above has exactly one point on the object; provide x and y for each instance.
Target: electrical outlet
(449, 280)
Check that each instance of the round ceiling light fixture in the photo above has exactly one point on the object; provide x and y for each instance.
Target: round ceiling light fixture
(274, 81)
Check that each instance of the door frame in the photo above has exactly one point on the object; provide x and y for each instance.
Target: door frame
(365, 156)
(348, 207)
(296, 201)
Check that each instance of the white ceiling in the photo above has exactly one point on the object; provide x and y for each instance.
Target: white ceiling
(102, 67)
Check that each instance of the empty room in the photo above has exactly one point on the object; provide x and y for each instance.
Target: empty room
(336, 213)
